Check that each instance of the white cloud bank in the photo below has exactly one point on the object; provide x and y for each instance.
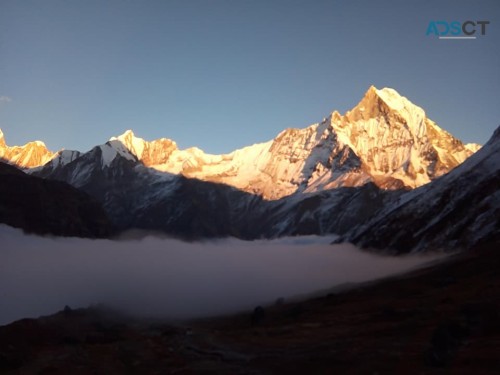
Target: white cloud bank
(173, 279)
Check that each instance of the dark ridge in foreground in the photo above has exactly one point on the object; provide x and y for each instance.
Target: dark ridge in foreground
(41, 206)
(440, 320)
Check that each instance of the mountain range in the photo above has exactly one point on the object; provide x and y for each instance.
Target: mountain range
(344, 175)
(385, 139)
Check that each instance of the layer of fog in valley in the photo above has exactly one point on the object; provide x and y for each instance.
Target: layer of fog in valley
(166, 278)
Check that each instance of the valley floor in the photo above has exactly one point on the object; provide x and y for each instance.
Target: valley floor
(443, 319)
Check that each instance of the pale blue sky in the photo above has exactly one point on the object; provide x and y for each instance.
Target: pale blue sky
(223, 74)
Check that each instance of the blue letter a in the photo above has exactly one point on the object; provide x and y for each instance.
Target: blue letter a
(432, 29)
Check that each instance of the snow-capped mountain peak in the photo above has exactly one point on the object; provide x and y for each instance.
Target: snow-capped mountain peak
(388, 102)
(397, 143)
(156, 152)
(32, 154)
(134, 144)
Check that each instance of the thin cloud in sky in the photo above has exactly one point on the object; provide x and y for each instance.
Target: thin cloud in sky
(5, 99)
